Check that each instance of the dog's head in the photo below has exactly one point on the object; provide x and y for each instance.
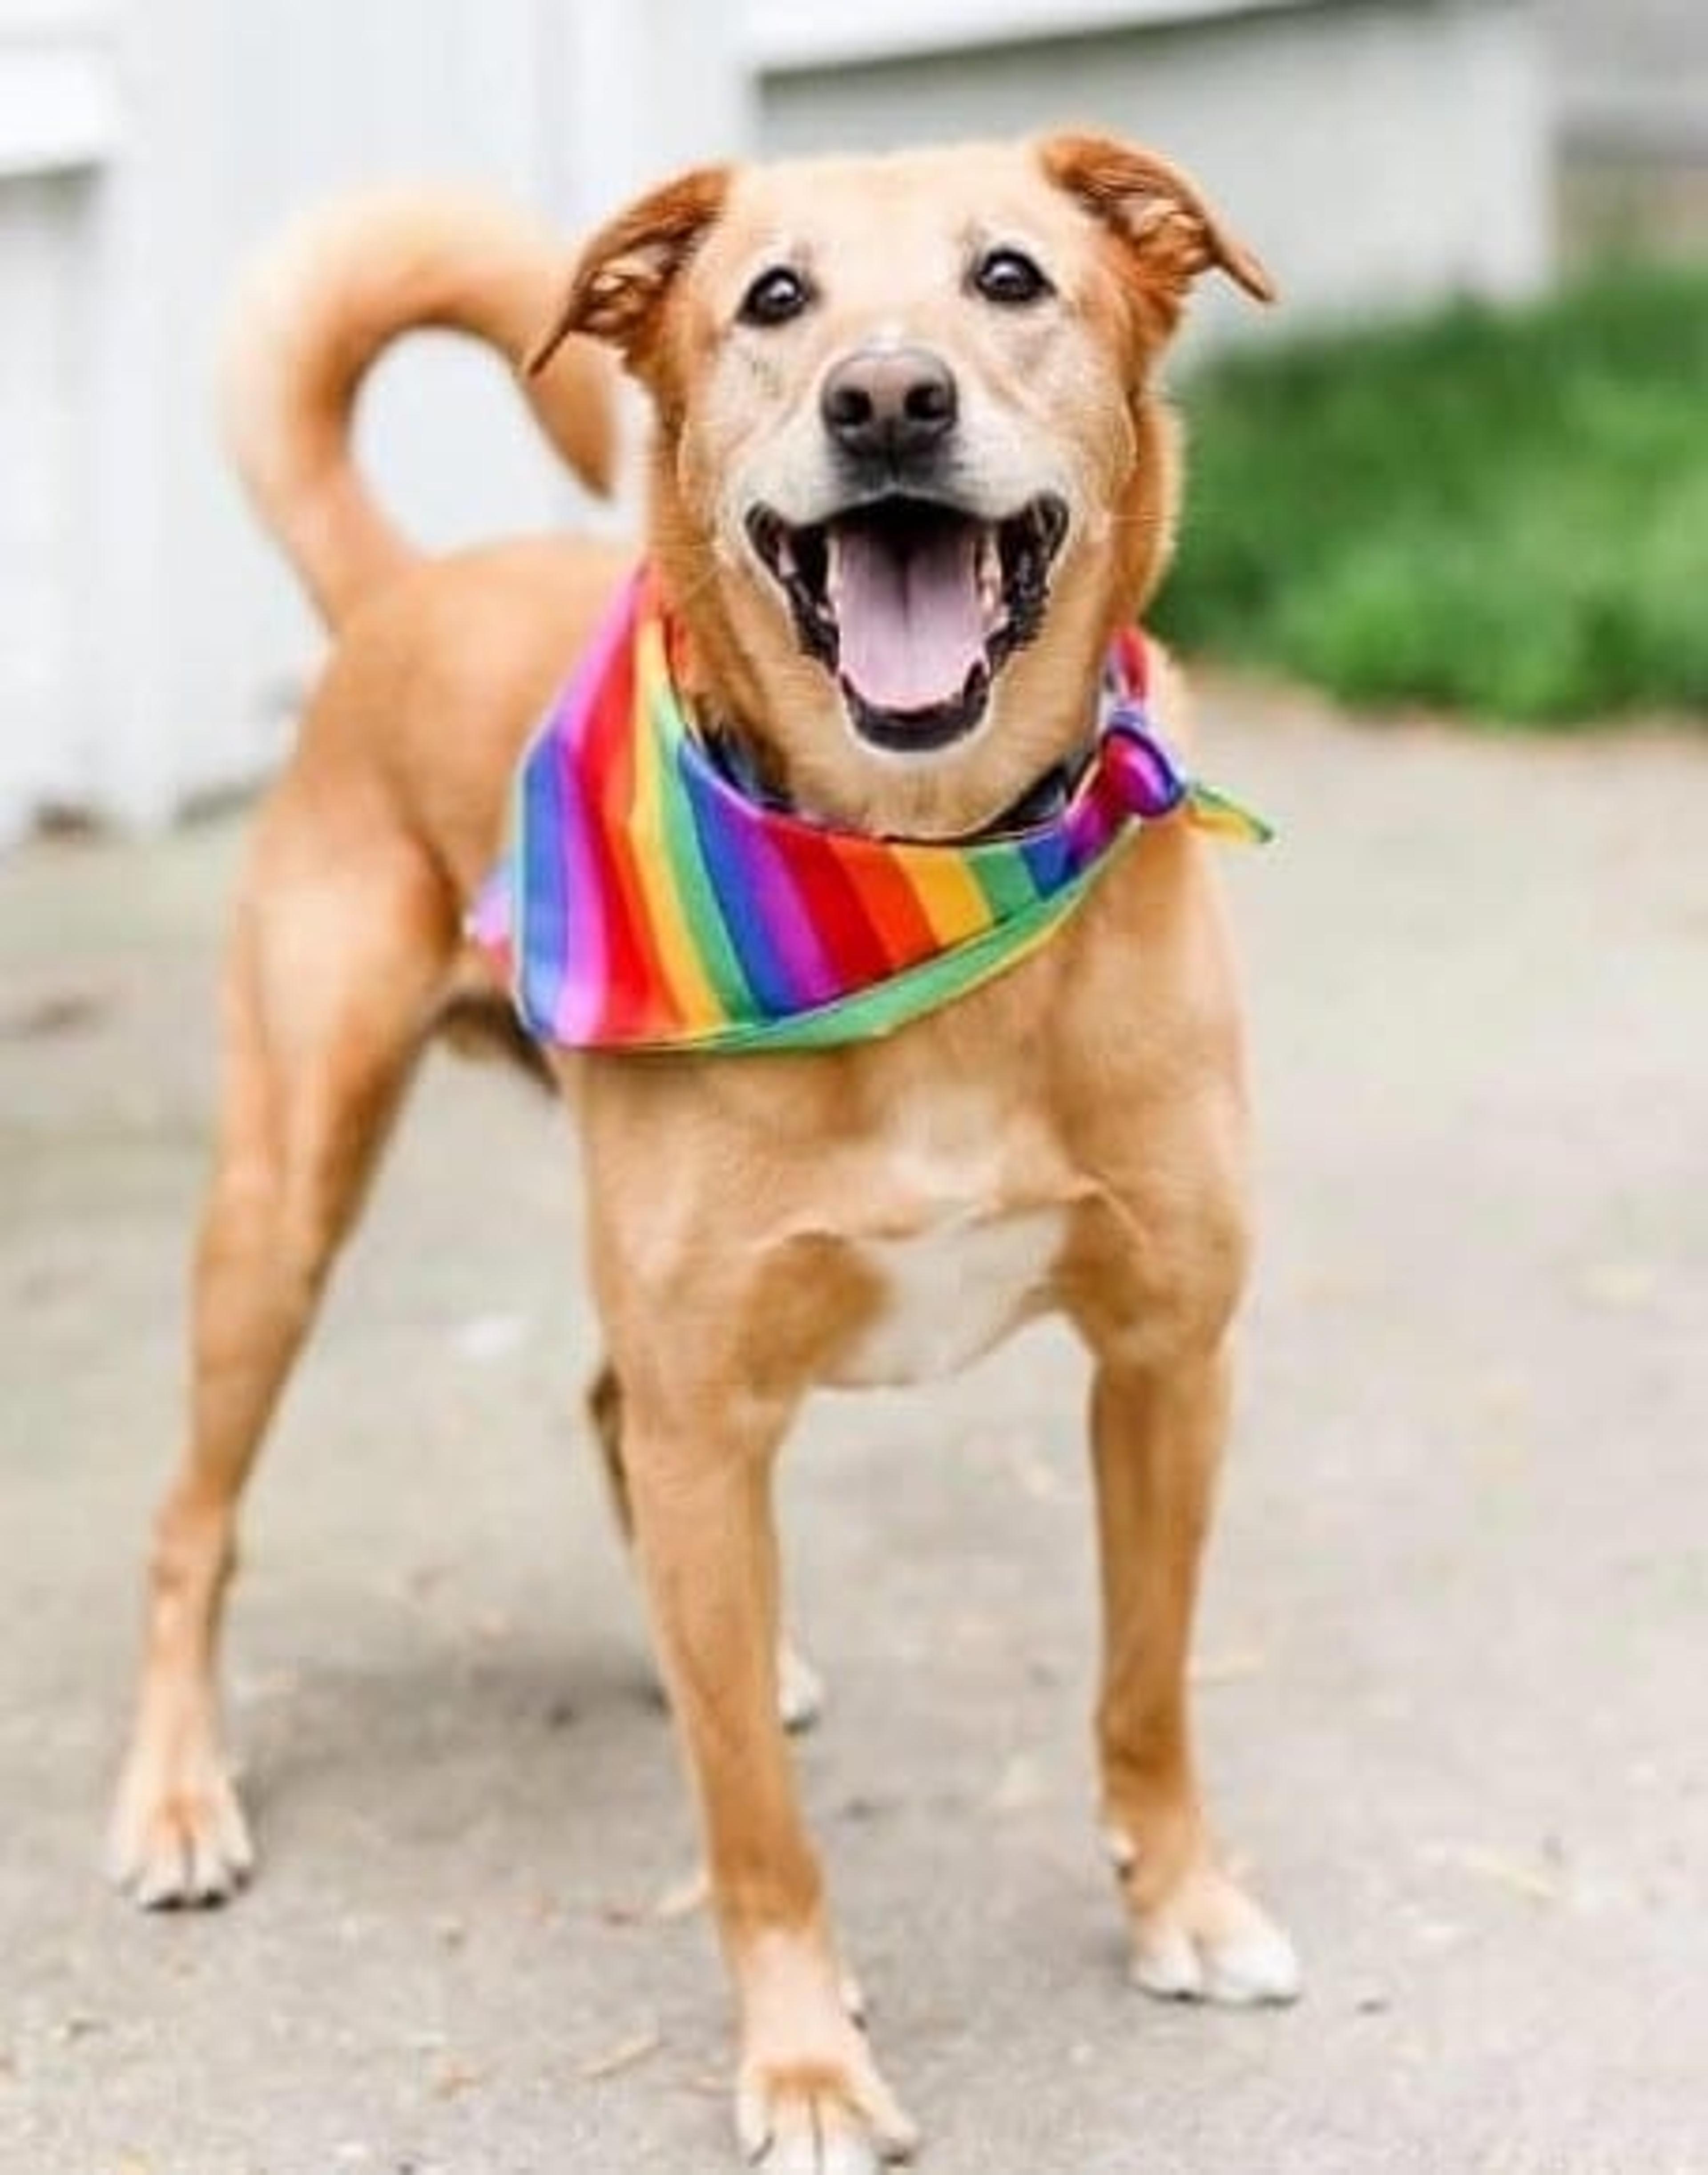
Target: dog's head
(910, 470)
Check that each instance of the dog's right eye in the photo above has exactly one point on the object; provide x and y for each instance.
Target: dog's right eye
(774, 297)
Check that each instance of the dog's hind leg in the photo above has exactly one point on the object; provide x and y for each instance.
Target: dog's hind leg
(336, 960)
(799, 1687)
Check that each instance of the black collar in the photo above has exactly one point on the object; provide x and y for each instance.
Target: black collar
(1041, 801)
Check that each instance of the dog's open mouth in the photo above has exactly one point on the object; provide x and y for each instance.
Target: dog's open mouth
(913, 606)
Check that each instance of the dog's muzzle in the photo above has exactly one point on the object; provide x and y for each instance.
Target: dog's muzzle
(911, 599)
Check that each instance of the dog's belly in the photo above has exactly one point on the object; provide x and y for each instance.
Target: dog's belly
(949, 1292)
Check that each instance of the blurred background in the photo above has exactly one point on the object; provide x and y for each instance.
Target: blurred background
(1386, 157)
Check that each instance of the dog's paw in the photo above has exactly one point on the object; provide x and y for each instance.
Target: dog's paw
(820, 2118)
(1205, 1940)
(800, 1689)
(809, 2098)
(177, 1837)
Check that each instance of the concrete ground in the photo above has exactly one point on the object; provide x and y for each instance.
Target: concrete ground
(1452, 1664)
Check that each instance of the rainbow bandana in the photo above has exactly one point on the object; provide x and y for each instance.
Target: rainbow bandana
(649, 900)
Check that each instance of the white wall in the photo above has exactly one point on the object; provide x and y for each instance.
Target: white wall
(1376, 153)
(223, 118)
(1632, 77)
(37, 457)
(56, 120)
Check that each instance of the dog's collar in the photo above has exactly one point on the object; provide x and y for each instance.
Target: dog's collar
(652, 896)
(1044, 799)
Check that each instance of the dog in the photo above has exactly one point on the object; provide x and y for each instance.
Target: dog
(910, 476)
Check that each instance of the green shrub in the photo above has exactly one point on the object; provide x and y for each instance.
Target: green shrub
(1503, 512)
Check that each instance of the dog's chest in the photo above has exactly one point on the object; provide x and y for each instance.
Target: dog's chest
(949, 1293)
(972, 1238)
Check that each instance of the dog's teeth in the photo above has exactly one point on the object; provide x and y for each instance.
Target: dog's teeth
(990, 572)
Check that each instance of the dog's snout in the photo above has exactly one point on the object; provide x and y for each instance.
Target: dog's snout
(889, 402)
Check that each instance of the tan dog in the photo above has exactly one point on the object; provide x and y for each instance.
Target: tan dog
(980, 327)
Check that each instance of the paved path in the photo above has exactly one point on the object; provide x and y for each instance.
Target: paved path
(1453, 1659)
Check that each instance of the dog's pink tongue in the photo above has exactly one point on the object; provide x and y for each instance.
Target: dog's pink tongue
(910, 621)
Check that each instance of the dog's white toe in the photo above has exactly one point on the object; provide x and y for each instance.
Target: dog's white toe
(1261, 1966)
(1167, 1963)
(800, 1689)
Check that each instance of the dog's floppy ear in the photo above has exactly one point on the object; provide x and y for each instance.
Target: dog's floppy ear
(624, 272)
(1153, 210)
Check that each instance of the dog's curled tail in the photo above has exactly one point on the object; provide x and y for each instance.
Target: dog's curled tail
(316, 312)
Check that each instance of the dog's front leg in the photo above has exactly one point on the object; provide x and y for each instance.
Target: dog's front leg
(799, 1688)
(809, 2097)
(1156, 1432)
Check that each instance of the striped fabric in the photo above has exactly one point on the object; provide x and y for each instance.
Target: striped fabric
(647, 902)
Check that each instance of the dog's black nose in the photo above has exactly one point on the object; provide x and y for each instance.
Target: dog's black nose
(889, 402)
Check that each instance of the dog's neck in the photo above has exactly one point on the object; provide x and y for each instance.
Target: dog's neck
(979, 791)
(1015, 769)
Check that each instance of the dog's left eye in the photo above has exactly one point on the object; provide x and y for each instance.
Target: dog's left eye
(1010, 276)
(774, 297)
